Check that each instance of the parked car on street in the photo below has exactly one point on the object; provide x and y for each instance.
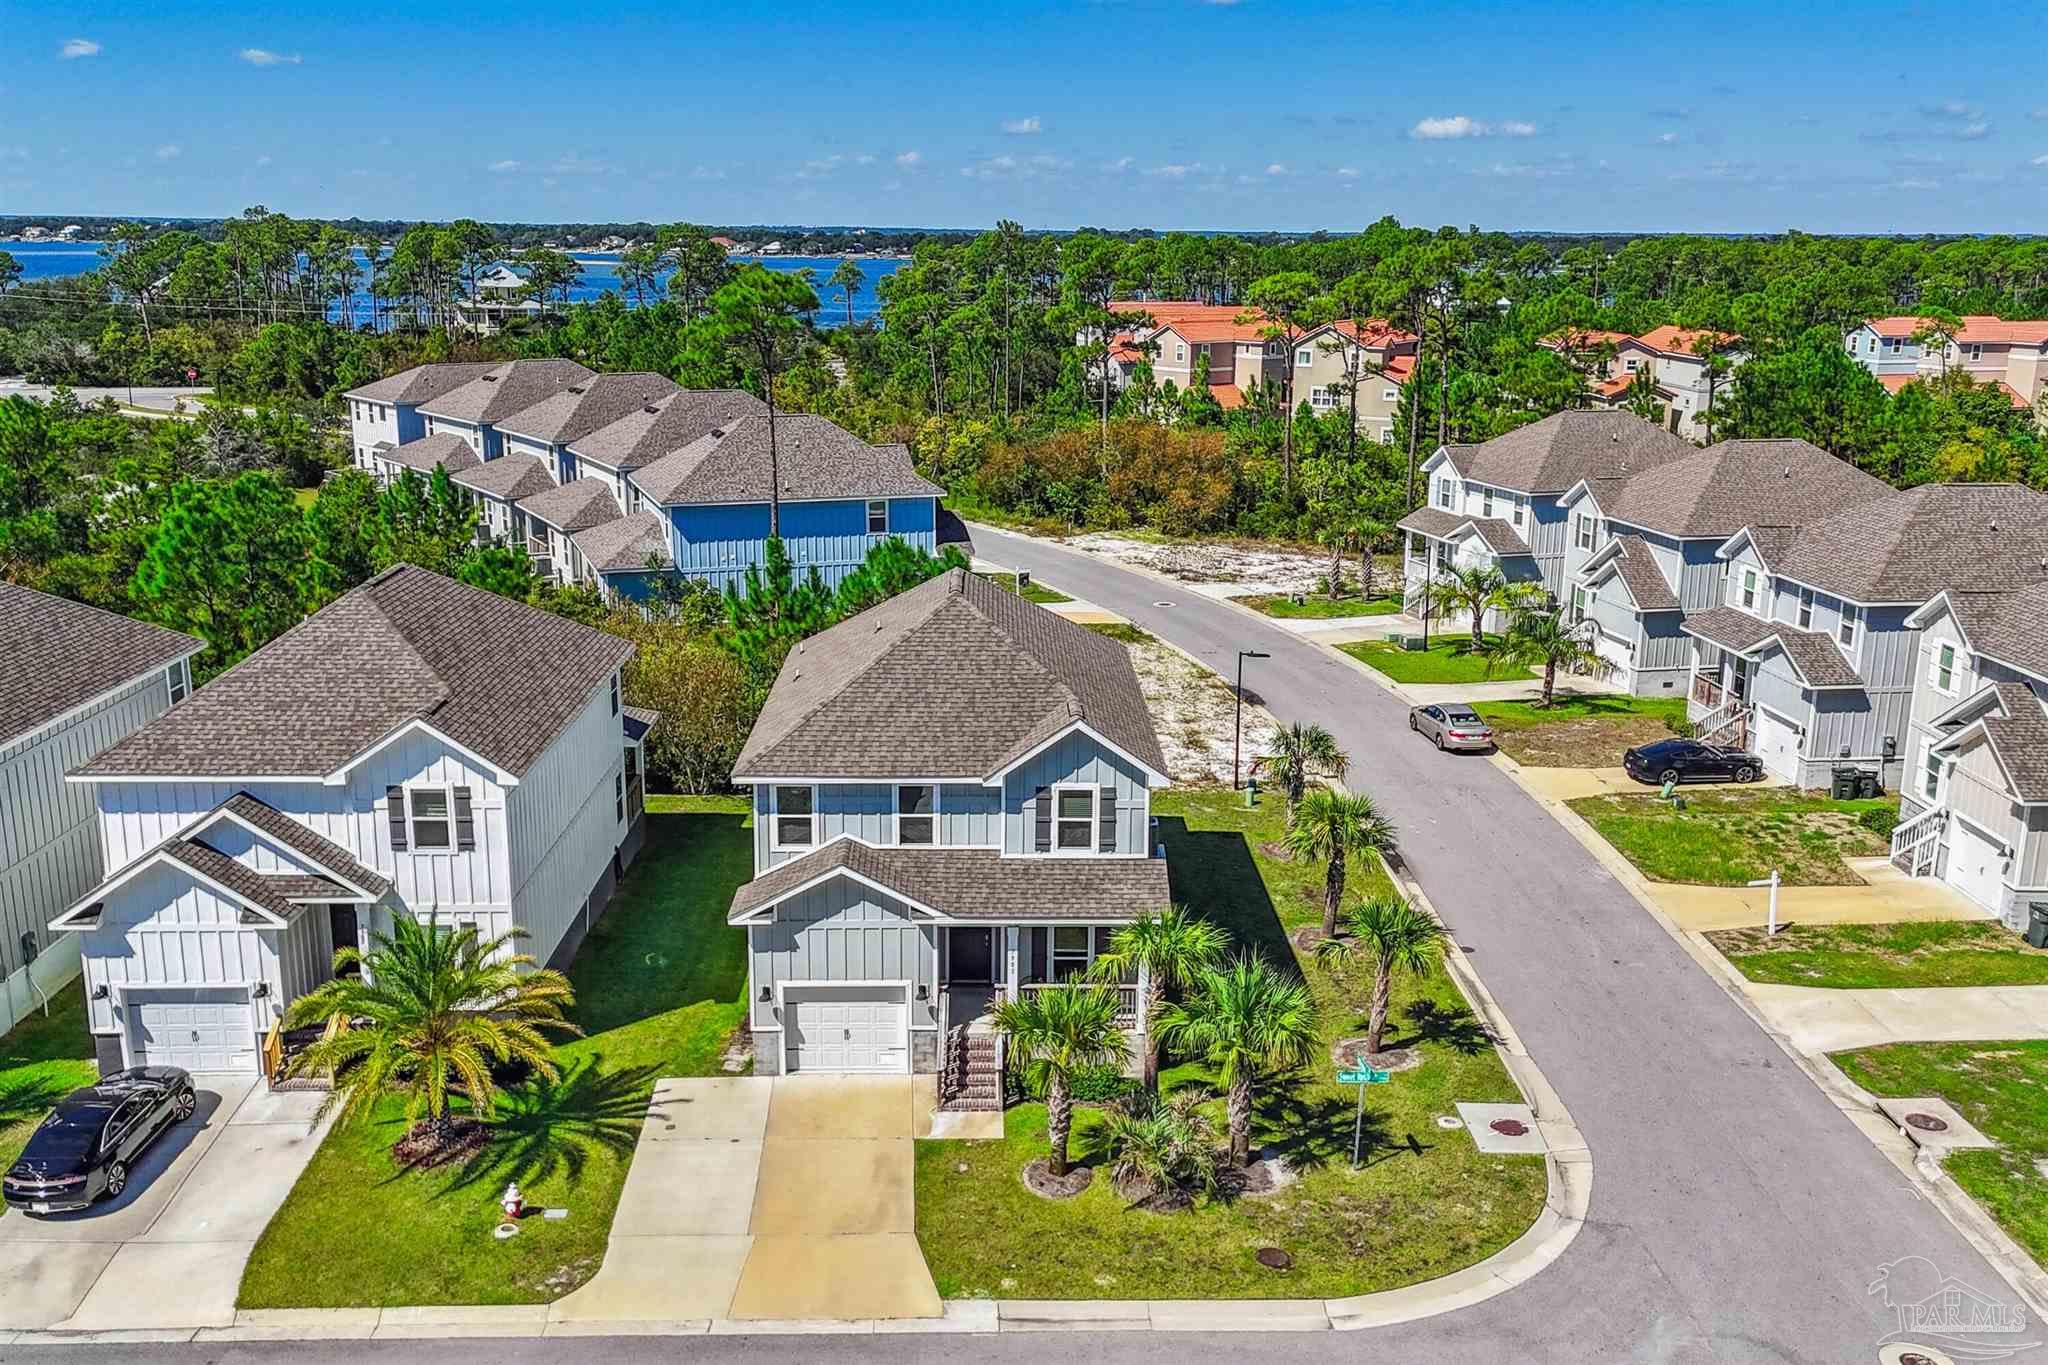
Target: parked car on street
(91, 1141)
(1688, 760)
(1453, 725)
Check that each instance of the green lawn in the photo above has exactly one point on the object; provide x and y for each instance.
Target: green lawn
(2000, 1087)
(659, 988)
(1425, 1203)
(1320, 606)
(1729, 836)
(1034, 591)
(1579, 732)
(1123, 632)
(1449, 659)
(1886, 956)
(42, 1061)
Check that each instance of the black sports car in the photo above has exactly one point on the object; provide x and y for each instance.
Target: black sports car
(93, 1138)
(1688, 760)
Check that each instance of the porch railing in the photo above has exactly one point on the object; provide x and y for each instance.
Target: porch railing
(635, 799)
(1725, 724)
(1706, 691)
(1916, 843)
(1126, 999)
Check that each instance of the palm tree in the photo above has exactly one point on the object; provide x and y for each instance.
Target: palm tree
(1055, 1033)
(1172, 948)
(847, 278)
(1165, 1146)
(1539, 637)
(1396, 936)
(1249, 1022)
(1477, 588)
(1328, 828)
(1300, 754)
(1368, 531)
(431, 1011)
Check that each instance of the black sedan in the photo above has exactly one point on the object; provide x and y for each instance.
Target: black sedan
(91, 1141)
(1688, 760)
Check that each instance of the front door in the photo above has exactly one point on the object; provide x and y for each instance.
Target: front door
(972, 961)
(341, 920)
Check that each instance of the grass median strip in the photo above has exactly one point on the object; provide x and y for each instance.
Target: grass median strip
(1579, 731)
(1886, 956)
(1998, 1086)
(1727, 837)
(1320, 607)
(1449, 659)
(1034, 591)
(659, 988)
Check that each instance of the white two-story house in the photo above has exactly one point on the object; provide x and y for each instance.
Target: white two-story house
(73, 679)
(472, 411)
(1813, 654)
(386, 413)
(415, 748)
(952, 805)
(1501, 503)
(1644, 554)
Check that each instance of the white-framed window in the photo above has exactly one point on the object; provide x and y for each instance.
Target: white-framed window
(1897, 345)
(1945, 668)
(1584, 524)
(1390, 395)
(1272, 348)
(178, 677)
(1974, 351)
(1630, 364)
(1073, 949)
(1444, 555)
(430, 818)
(1180, 354)
(615, 694)
(1845, 633)
(878, 516)
(1323, 396)
(1073, 819)
(1304, 358)
(1749, 589)
(1444, 493)
(1806, 608)
(1930, 774)
(1486, 502)
(917, 815)
(793, 817)
(1578, 605)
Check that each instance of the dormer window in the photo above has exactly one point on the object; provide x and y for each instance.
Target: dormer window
(793, 817)
(1806, 608)
(1749, 589)
(179, 678)
(917, 811)
(427, 809)
(1945, 668)
(1074, 819)
(1845, 633)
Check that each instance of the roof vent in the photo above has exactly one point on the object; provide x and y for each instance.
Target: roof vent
(1788, 471)
(650, 408)
(574, 388)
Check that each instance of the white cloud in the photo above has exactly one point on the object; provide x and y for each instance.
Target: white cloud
(1974, 131)
(575, 163)
(1024, 168)
(707, 173)
(909, 158)
(1914, 185)
(1513, 128)
(1958, 109)
(170, 151)
(1347, 172)
(2041, 160)
(79, 47)
(989, 169)
(864, 159)
(2039, 112)
(1176, 170)
(262, 161)
(504, 167)
(821, 166)
(1666, 139)
(1277, 168)
(1121, 164)
(1458, 125)
(263, 56)
(1023, 127)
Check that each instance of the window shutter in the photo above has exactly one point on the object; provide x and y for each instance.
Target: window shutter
(465, 821)
(1106, 819)
(395, 798)
(1044, 832)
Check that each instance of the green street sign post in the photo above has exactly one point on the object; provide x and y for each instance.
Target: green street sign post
(1361, 1077)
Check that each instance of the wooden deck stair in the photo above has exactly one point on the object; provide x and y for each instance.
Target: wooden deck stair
(971, 1079)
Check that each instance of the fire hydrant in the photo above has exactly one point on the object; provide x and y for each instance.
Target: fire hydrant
(512, 1202)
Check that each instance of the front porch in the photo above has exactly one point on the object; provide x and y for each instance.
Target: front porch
(1718, 700)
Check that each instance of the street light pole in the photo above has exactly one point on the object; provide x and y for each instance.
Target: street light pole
(1237, 741)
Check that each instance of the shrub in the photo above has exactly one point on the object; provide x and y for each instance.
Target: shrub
(1165, 1148)
(1680, 726)
(1092, 1085)
(1879, 820)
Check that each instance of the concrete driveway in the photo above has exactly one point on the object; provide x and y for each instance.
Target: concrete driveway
(169, 1252)
(759, 1198)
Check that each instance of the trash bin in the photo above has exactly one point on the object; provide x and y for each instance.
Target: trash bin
(1844, 788)
(1866, 785)
(2037, 923)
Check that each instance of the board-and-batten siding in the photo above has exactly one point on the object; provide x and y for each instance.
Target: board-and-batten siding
(566, 826)
(843, 931)
(1075, 758)
(968, 816)
(717, 542)
(49, 846)
(1977, 790)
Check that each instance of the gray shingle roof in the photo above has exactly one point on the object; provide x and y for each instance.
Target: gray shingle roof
(443, 448)
(626, 544)
(977, 883)
(1719, 490)
(1816, 657)
(315, 848)
(576, 411)
(640, 721)
(496, 676)
(2019, 737)
(1636, 564)
(511, 387)
(954, 678)
(576, 505)
(1500, 537)
(816, 460)
(665, 426)
(2011, 627)
(270, 891)
(1912, 545)
(1727, 628)
(61, 654)
(422, 383)
(507, 478)
(1551, 455)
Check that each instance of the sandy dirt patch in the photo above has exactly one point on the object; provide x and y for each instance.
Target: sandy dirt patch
(1195, 712)
(1253, 567)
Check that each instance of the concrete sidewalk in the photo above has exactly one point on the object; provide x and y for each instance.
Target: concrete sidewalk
(1821, 1020)
(1886, 896)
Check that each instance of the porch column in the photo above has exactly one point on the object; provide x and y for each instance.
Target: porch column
(1010, 963)
(1144, 994)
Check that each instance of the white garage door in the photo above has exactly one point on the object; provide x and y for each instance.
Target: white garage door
(847, 1028)
(1976, 864)
(1620, 655)
(203, 1029)
(1777, 743)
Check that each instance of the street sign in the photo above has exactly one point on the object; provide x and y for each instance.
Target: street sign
(1360, 1077)
(1366, 1077)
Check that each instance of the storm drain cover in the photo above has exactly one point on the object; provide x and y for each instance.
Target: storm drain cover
(1509, 1127)
(1927, 1123)
(1273, 1258)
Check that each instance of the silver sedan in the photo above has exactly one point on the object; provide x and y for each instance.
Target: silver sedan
(1452, 725)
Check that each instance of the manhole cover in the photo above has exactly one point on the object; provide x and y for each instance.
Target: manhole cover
(1927, 1123)
(1509, 1127)
(1163, 604)
(1449, 1121)
(1273, 1258)
(505, 1230)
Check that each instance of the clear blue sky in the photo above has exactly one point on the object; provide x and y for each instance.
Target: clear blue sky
(1162, 113)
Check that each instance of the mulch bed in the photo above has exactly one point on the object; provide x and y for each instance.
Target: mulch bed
(429, 1145)
(1305, 940)
(1350, 1052)
(1280, 853)
(1042, 1183)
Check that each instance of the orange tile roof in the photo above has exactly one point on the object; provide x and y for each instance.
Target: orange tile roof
(1375, 332)
(1192, 321)
(1978, 329)
(2019, 400)
(1227, 396)
(1894, 382)
(1580, 338)
(1679, 340)
(1400, 367)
